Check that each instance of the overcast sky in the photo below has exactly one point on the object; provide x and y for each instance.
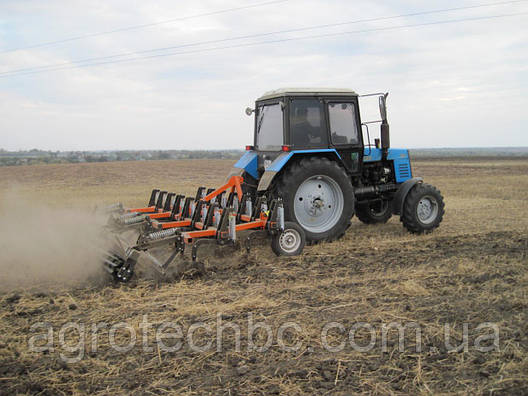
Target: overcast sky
(451, 85)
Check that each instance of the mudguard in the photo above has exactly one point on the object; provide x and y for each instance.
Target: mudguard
(248, 163)
(279, 162)
(401, 194)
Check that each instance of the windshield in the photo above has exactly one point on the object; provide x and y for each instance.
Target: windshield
(269, 127)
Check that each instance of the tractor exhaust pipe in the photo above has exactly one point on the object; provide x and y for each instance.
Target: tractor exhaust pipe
(385, 135)
(384, 128)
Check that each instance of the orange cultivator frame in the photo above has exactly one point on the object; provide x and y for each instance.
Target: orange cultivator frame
(213, 217)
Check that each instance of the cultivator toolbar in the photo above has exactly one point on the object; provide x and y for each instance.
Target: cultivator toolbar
(212, 217)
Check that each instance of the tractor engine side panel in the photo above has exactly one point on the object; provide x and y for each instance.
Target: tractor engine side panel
(399, 158)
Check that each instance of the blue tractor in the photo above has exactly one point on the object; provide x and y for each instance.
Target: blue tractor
(309, 151)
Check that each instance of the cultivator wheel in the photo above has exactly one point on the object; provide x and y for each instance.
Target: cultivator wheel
(289, 242)
(215, 218)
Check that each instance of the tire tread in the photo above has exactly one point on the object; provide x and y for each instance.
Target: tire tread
(408, 217)
(309, 163)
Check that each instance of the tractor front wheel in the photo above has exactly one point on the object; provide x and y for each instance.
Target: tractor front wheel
(317, 195)
(423, 209)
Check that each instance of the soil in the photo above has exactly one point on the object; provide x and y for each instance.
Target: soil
(472, 271)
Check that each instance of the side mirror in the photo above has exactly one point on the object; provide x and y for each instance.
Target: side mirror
(383, 106)
(249, 111)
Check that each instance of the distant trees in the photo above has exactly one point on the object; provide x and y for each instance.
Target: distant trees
(36, 156)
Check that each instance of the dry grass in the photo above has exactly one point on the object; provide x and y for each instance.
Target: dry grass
(472, 270)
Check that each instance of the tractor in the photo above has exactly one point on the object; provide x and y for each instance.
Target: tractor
(309, 149)
(308, 171)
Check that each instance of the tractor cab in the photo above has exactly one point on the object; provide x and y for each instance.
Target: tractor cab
(308, 120)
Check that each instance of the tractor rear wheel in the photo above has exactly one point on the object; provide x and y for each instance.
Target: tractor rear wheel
(317, 195)
(376, 212)
(423, 209)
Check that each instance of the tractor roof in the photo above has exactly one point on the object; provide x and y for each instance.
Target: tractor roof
(307, 92)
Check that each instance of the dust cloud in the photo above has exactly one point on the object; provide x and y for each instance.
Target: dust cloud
(44, 246)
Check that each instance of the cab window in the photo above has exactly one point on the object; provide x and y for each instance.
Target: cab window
(343, 126)
(306, 123)
(269, 127)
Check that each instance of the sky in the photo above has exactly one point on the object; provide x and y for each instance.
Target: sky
(450, 84)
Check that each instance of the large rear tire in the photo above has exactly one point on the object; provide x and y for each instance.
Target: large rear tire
(377, 212)
(317, 195)
(423, 209)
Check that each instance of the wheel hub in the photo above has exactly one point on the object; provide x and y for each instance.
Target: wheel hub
(380, 208)
(318, 203)
(289, 240)
(427, 209)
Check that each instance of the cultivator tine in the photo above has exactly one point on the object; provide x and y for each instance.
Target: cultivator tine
(176, 207)
(248, 206)
(231, 224)
(161, 197)
(169, 202)
(199, 243)
(223, 226)
(197, 213)
(222, 199)
(187, 208)
(241, 209)
(261, 206)
(217, 215)
(253, 235)
(229, 200)
(210, 215)
(200, 193)
(153, 196)
(232, 202)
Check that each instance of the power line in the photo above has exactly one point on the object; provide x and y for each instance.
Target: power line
(142, 26)
(327, 35)
(312, 27)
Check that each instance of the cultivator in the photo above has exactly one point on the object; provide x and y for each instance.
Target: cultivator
(212, 217)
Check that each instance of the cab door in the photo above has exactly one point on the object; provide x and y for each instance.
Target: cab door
(344, 131)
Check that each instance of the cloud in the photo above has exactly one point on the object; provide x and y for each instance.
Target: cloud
(450, 85)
